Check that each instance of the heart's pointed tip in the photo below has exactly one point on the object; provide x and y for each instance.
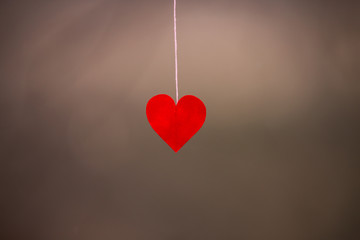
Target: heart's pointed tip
(176, 149)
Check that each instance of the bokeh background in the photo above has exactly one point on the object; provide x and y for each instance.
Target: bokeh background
(278, 156)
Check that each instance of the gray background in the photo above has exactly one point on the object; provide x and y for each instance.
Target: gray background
(277, 158)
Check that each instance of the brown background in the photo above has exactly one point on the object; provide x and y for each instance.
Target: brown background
(278, 156)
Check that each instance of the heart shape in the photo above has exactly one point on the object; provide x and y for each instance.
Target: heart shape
(175, 123)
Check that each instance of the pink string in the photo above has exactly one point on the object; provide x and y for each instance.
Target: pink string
(176, 55)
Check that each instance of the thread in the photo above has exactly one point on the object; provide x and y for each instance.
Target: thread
(176, 56)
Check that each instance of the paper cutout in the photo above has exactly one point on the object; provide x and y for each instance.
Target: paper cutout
(175, 123)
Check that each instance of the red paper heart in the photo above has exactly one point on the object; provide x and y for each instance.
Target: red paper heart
(175, 124)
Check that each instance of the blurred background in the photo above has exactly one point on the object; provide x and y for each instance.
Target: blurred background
(277, 158)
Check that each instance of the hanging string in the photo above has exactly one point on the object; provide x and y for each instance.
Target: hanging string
(176, 55)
